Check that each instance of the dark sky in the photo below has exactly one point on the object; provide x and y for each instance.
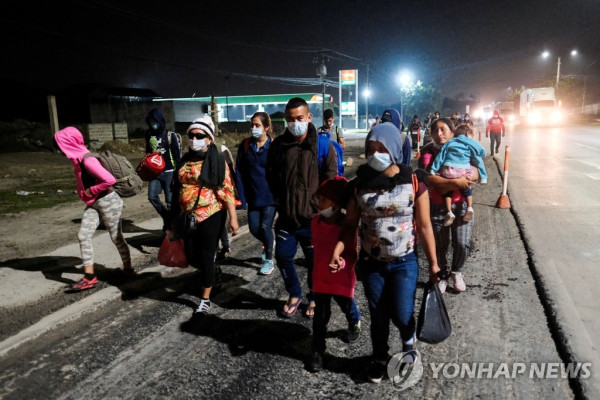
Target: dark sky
(247, 47)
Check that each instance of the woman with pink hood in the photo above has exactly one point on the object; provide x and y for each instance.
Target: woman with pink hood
(94, 189)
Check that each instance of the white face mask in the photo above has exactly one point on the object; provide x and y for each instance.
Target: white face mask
(197, 144)
(328, 212)
(298, 128)
(257, 133)
(379, 161)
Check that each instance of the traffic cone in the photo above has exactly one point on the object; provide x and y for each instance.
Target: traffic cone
(503, 200)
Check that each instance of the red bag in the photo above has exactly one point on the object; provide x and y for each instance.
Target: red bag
(151, 166)
(172, 253)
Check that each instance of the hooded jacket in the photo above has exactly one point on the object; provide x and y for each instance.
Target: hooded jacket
(158, 140)
(461, 152)
(294, 177)
(70, 142)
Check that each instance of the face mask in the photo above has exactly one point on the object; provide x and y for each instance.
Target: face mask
(298, 128)
(256, 133)
(466, 118)
(328, 212)
(379, 161)
(197, 144)
(155, 126)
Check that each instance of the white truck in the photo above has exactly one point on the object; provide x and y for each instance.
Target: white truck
(538, 107)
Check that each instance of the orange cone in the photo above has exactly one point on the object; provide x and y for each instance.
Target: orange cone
(503, 200)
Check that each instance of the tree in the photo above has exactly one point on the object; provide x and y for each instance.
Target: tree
(420, 99)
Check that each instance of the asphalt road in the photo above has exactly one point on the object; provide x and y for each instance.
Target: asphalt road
(554, 187)
(139, 340)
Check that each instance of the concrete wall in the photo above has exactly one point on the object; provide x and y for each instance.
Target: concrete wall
(132, 114)
(98, 134)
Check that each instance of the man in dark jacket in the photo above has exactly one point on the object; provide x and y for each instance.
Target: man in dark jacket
(294, 176)
(158, 139)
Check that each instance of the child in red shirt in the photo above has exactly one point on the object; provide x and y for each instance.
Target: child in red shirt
(329, 282)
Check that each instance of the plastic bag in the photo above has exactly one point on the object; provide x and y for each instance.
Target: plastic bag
(433, 325)
(172, 253)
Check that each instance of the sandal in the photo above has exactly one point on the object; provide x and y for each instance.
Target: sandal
(291, 306)
(311, 307)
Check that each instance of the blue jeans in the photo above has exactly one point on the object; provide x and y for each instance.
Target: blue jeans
(285, 251)
(155, 188)
(390, 288)
(260, 223)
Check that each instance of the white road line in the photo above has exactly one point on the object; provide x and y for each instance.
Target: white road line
(586, 146)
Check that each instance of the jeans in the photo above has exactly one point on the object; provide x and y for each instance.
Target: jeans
(323, 314)
(225, 234)
(260, 223)
(390, 288)
(155, 188)
(461, 236)
(285, 251)
(495, 137)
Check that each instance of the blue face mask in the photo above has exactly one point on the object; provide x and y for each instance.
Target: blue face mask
(155, 126)
(257, 133)
(379, 161)
(298, 128)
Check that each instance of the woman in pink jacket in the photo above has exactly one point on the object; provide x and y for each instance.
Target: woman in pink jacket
(94, 189)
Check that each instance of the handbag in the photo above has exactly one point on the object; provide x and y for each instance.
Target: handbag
(184, 224)
(433, 325)
(172, 253)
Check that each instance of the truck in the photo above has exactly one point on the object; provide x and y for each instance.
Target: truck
(538, 107)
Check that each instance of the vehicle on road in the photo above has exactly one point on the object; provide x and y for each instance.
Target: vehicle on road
(538, 107)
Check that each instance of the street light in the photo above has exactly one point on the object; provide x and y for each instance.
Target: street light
(404, 80)
(367, 94)
(546, 54)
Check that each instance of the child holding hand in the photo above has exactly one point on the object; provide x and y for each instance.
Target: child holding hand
(332, 280)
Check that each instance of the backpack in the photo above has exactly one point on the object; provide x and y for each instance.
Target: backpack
(323, 151)
(178, 139)
(128, 182)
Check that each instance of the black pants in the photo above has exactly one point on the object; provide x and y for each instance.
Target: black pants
(201, 246)
(323, 314)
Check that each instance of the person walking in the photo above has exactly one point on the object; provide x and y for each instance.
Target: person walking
(442, 131)
(166, 143)
(394, 117)
(294, 172)
(336, 133)
(496, 131)
(330, 281)
(415, 130)
(203, 185)
(386, 204)
(253, 187)
(94, 189)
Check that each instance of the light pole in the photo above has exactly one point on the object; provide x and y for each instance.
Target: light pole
(546, 54)
(404, 81)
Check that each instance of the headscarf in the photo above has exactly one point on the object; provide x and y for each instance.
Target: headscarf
(387, 134)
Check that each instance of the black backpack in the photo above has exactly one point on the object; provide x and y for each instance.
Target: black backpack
(128, 182)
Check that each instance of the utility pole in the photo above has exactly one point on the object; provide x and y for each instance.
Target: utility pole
(367, 100)
(322, 73)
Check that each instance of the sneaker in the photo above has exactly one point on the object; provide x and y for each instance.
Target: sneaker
(469, 214)
(267, 268)
(458, 282)
(204, 306)
(376, 371)
(443, 284)
(85, 284)
(315, 363)
(449, 218)
(353, 332)
(409, 350)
